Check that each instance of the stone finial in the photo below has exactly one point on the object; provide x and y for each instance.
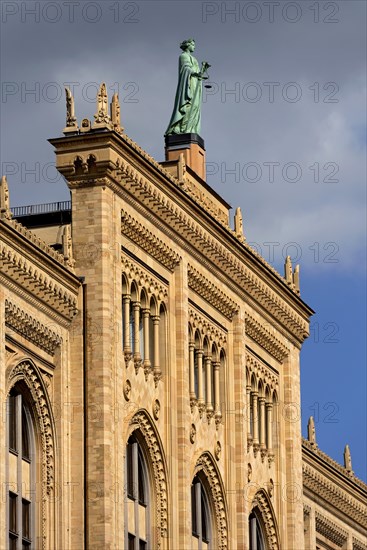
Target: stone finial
(348, 460)
(101, 117)
(238, 224)
(115, 114)
(67, 248)
(5, 213)
(296, 279)
(181, 167)
(311, 431)
(288, 270)
(71, 122)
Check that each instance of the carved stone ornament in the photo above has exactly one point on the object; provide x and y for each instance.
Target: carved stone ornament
(206, 464)
(262, 503)
(127, 390)
(249, 472)
(142, 421)
(271, 487)
(217, 450)
(156, 409)
(192, 433)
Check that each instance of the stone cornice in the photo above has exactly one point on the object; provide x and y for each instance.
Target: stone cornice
(330, 530)
(261, 371)
(30, 328)
(149, 242)
(317, 483)
(129, 168)
(358, 544)
(336, 468)
(211, 293)
(33, 239)
(262, 336)
(37, 275)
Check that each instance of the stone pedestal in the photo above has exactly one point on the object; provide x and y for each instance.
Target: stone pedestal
(192, 147)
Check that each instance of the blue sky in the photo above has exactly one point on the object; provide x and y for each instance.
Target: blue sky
(284, 126)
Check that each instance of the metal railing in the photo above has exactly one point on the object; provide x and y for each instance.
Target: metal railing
(47, 208)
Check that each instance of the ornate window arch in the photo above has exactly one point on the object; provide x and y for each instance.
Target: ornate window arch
(142, 430)
(262, 524)
(206, 469)
(28, 400)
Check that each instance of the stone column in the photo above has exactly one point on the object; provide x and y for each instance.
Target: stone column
(269, 430)
(262, 428)
(145, 314)
(201, 402)
(255, 422)
(218, 413)
(136, 313)
(208, 376)
(127, 336)
(157, 372)
(192, 370)
(248, 416)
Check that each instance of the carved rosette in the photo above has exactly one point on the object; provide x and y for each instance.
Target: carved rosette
(127, 390)
(207, 465)
(142, 421)
(262, 502)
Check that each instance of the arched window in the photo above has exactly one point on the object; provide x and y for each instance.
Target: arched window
(200, 516)
(256, 537)
(20, 472)
(137, 502)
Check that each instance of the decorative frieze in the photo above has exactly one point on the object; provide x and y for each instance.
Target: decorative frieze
(211, 293)
(143, 278)
(30, 328)
(261, 371)
(206, 246)
(35, 280)
(206, 327)
(330, 530)
(39, 243)
(331, 493)
(262, 336)
(149, 242)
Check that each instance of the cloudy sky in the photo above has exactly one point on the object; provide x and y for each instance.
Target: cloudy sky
(284, 126)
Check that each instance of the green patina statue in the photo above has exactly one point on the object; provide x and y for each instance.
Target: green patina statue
(186, 114)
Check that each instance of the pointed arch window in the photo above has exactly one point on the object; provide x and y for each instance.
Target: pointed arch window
(137, 502)
(20, 472)
(256, 536)
(200, 516)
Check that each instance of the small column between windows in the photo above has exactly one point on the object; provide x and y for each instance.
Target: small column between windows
(201, 402)
(192, 371)
(147, 364)
(127, 336)
(217, 411)
(136, 315)
(262, 428)
(248, 416)
(255, 422)
(269, 431)
(208, 380)
(157, 371)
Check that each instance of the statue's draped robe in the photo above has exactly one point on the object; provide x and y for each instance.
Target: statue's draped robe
(186, 114)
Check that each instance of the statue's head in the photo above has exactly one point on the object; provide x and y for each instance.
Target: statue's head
(186, 43)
